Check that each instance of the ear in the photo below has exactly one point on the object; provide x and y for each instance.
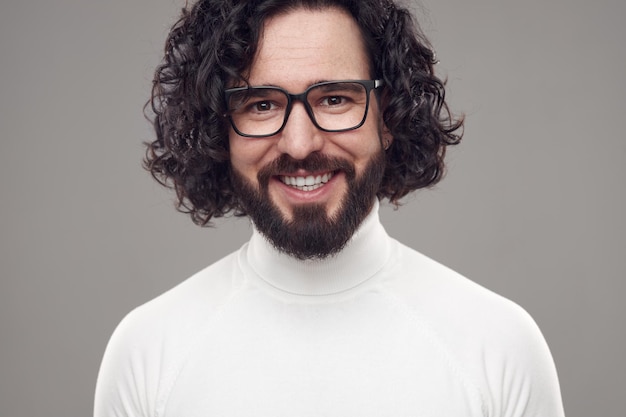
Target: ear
(387, 137)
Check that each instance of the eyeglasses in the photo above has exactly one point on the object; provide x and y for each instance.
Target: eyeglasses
(333, 106)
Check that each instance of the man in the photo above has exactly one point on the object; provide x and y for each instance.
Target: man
(302, 115)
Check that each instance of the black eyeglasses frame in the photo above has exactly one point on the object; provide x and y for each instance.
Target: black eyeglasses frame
(369, 85)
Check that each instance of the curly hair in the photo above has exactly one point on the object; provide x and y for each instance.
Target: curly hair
(214, 42)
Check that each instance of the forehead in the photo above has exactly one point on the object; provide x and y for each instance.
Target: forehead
(303, 46)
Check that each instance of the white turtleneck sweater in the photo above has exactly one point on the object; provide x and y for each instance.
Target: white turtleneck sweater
(379, 330)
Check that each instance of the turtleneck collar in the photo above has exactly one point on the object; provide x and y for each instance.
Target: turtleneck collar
(365, 254)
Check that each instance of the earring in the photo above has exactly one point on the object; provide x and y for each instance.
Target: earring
(387, 143)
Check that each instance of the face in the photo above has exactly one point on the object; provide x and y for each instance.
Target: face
(296, 50)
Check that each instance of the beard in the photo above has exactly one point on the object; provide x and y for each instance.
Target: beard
(310, 233)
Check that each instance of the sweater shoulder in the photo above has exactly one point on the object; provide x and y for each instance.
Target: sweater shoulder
(492, 341)
(436, 290)
(146, 349)
(194, 299)
(459, 311)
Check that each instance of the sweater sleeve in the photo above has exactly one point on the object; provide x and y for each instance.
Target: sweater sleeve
(494, 344)
(124, 387)
(521, 375)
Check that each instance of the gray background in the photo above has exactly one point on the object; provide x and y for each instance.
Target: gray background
(532, 207)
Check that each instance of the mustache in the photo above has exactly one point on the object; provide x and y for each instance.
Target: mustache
(314, 162)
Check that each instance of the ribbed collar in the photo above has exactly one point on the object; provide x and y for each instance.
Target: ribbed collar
(365, 254)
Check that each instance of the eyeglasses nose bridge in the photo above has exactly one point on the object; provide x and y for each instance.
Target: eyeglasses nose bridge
(302, 97)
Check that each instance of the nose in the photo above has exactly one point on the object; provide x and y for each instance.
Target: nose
(300, 137)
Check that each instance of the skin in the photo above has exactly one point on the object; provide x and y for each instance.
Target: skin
(297, 49)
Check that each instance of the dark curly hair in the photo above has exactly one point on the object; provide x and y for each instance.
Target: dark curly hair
(213, 43)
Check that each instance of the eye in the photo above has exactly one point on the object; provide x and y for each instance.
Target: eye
(262, 106)
(333, 100)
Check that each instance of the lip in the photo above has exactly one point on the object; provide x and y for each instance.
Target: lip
(307, 181)
(323, 184)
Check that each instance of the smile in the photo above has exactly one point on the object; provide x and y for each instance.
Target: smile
(308, 183)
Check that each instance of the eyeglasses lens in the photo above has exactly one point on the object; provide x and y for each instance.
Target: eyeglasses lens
(262, 111)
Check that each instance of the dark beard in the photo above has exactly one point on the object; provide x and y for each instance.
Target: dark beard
(311, 233)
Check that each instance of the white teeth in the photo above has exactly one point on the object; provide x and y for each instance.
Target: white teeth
(308, 183)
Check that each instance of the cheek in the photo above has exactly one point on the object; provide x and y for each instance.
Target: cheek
(247, 156)
(363, 145)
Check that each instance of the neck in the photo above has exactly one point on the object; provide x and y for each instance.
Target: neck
(364, 255)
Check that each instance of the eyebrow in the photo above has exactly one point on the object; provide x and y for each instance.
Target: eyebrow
(281, 87)
(342, 86)
(259, 92)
